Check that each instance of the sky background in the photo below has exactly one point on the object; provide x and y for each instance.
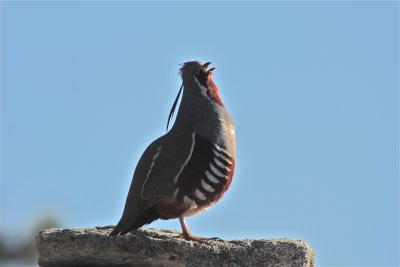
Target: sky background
(312, 87)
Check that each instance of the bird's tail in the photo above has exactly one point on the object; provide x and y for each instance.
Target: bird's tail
(126, 225)
(117, 229)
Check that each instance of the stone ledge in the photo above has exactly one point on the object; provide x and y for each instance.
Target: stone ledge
(154, 247)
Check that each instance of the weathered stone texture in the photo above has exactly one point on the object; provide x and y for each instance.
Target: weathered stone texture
(154, 247)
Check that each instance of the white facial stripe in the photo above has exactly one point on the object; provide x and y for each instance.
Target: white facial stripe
(196, 80)
(211, 177)
(187, 160)
(189, 201)
(203, 89)
(216, 171)
(221, 156)
(199, 195)
(206, 186)
(220, 164)
(159, 148)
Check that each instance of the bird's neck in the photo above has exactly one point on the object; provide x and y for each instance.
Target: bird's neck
(208, 119)
(214, 93)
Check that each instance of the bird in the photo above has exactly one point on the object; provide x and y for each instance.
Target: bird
(188, 169)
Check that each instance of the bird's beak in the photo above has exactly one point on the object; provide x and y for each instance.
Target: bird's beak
(211, 71)
(205, 66)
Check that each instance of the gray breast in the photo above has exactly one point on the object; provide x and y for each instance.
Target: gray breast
(219, 129)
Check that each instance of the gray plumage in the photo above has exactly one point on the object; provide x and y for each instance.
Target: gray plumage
(200, 114)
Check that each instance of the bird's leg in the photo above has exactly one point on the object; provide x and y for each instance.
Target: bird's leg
(185, 230)
(188, 236)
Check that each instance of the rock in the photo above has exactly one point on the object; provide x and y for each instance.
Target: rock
(154, 247)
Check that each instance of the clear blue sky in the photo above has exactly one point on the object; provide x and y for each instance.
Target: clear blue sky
(312, 87)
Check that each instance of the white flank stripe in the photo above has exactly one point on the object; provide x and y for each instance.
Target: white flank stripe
(211, 177)
(156, 156)
(189, 201)
(215, 171)
(200, 195)
(147, 177)
(151, 167)
(221, 156)
(217, 147)
(187, 160)
(220, 164)
(175, 192)
(207, 186)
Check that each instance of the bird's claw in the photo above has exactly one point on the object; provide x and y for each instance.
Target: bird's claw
(197, 238)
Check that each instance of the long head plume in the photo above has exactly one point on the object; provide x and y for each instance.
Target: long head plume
(198, 72)
(171, 113)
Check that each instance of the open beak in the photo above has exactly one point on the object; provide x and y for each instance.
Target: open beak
(205, 66)
(211, 71)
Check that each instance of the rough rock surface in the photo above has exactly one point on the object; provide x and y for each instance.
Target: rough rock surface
(154, 247)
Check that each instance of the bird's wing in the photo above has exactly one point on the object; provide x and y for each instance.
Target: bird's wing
(168, 160)
(155, 176)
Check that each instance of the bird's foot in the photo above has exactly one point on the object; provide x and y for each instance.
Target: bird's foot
(189, 237)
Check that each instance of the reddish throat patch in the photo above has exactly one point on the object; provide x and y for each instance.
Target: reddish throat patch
(213, 91)
(205, 79)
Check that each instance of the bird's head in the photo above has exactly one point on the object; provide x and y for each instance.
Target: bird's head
(196, 76)
(198, 84)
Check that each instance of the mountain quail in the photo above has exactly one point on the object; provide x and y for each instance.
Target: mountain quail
(189, 168)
